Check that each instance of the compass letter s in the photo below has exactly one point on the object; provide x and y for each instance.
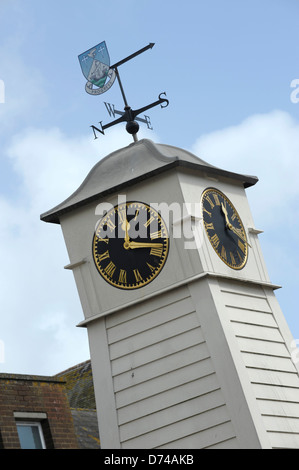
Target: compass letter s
(163, 100)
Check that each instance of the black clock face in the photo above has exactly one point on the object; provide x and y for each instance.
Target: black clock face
(224, 228)
(130, 245)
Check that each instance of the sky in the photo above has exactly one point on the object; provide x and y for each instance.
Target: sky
(231, 73)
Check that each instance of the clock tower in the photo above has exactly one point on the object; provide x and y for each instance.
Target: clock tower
(189, 347)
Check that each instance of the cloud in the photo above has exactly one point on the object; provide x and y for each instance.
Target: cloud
(39, 300)
(24, 93)
(265, 145)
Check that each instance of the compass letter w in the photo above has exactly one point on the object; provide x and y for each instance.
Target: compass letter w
(110, 109)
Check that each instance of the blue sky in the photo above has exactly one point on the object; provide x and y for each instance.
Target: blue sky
(227, 69)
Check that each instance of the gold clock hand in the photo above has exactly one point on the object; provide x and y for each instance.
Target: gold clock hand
(134, 245)
(231, 227)
(126, 227)
(225, 215)
(237, 232)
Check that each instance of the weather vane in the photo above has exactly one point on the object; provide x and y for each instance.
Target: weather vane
(100, 75)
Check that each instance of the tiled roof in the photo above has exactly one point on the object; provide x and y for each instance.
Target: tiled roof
(79, 385)
(86, 426)
(80, 392)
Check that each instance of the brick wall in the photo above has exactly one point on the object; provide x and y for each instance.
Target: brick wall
(34, 394)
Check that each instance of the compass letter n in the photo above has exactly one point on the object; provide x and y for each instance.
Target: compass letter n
(2, 92)
(94, 128)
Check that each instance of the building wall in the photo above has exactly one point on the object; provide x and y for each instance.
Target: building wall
(166, 391)
(205, 365)
(258, 326)
(35, 398)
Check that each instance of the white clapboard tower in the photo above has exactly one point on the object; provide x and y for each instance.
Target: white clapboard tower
(201, 356)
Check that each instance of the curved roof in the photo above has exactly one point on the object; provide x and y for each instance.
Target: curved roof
(139, 160)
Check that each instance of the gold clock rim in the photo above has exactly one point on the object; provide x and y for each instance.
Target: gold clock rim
(166, 249)
(211, 189)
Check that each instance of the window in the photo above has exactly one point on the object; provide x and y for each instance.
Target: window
(30, 435)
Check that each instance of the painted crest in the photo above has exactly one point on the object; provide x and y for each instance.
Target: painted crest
(95, 65)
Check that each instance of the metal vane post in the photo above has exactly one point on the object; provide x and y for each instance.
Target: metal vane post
(95, 65)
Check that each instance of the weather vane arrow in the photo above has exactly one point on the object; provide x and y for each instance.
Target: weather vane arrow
(95, 65)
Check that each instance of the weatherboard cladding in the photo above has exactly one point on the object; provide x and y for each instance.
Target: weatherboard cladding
(163, 373)
(272, 373)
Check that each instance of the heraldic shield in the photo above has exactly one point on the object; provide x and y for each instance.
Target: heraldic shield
(95, 65)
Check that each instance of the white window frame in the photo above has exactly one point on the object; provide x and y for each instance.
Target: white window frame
(34, 424)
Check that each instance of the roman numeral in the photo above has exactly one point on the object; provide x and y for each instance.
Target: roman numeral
(210, 202)
(122, 276)
(151, 267)
(209, 213)
(215, 240)
(233, 261)
(104, 256)
(137, 275)
(210, 226)
(122, 215)
(241, 246)
(110, 224)
(105, 240)
(157, 251)
(156, 235)
(110, 268)
(223, 253)
(149, 221)
(216, 199)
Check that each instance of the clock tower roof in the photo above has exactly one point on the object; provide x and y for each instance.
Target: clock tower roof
(129, 165)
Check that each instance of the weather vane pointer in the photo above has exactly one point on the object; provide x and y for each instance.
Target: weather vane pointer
(100, 75)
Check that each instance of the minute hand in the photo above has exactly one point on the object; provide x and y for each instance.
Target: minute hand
(225, 215)
(237, 232)
(145, 245)
(231, 227)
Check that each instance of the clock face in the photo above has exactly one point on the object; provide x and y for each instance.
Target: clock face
(224, 228)
(130, 245)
